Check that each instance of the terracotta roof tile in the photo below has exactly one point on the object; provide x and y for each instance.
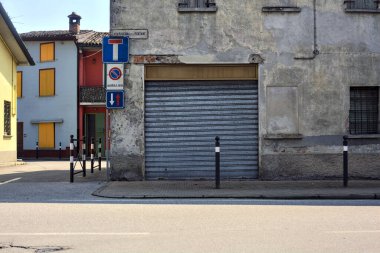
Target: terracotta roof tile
(52, 35)
(84, 38)
(93, 39)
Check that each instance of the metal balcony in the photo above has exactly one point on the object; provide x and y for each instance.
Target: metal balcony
(92, 95)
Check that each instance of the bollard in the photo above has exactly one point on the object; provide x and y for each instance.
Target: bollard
(100, 154)
(84, 156)
(217, 163)
(60, 151)
(71, 158)
(36, 149)
(92, 154)
(345, 161)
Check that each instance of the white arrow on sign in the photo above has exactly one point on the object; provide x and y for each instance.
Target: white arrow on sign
(112, 101)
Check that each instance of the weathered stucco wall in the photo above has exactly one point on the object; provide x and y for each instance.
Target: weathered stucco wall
(303, 138)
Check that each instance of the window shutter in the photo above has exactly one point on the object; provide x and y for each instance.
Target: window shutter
(19, 84)
(47, 82)
(46, 135)
(47, 52)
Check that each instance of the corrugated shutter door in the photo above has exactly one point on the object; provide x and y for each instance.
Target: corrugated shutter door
(182, 120)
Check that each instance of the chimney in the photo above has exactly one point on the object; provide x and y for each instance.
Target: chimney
(74, 20)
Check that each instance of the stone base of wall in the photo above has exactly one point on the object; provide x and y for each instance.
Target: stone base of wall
(126, 168)
(31, 153)
(8, 157)
(318, 166)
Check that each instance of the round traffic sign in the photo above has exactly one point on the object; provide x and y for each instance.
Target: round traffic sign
(115, 73)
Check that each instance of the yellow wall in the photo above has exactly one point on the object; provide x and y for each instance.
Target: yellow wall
(8, 91)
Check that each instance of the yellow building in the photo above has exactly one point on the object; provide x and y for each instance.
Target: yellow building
(12, 53)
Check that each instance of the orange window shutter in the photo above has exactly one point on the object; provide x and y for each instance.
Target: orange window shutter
(47, 52)
(43, 83)
(46, 135)
(50, 81)
(19, 84)
(47, 82)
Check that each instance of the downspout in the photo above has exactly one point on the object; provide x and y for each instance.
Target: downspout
(78, 90)
(315, 46)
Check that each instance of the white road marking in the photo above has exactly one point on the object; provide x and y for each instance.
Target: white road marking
(9, 181)
(353, 231)
(74, 233)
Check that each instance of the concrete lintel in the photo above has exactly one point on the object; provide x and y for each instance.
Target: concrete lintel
(288, 9)
(156, 59)
(282, 136)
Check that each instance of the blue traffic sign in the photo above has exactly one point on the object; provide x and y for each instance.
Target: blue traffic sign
(115, 49)
(115, 99)
(115, 73)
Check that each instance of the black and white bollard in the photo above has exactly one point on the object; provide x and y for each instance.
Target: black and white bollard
(84, 155)
(71, 158)
(100, 154)
(36, 149)
(217, 163)
(60, 151)
(345, 161)
(92, 154)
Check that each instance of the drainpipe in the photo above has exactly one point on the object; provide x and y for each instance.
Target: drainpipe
(78, 90)
(315, 46)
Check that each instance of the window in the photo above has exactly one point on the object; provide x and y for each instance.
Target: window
(362, 4)
(7, 118)
(47, 52)
(197, 5)
(19, 84)
(47, 82)
(46, 135)
(364, 112)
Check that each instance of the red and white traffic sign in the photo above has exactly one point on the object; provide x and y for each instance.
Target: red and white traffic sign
(115, 76)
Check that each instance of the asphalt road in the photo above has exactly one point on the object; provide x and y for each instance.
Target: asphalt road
(42, 215)
(191, 226)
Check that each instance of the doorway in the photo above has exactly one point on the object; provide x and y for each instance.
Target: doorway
(95, 128)
(20, 139)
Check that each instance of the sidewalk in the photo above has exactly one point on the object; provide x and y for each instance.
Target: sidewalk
(357, 189)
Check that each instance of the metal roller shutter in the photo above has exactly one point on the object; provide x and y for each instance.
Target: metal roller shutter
(182, 120)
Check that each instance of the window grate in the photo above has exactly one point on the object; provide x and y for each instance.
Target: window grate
(196, 3)
(364, 112)
(362, 4)
(7, 118)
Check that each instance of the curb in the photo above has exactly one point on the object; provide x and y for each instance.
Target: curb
(98, 193)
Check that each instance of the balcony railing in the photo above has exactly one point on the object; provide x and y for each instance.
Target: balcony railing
(92, 95)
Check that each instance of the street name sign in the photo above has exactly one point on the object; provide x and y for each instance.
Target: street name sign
(115, 99)
(115, 76)
(115, 49)
(131, 33)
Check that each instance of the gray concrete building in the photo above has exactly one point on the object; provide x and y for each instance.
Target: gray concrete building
(279, 81)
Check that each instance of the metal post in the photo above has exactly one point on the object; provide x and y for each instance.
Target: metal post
(36, 149)
(84, 155)
(345, 161)
(60, 151)
(100, 154)
(217, 163)
(71, 158)
(92, 154)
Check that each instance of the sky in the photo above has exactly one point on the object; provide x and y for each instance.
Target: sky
(46, 15)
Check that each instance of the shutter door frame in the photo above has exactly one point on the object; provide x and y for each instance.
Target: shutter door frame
(177, 140)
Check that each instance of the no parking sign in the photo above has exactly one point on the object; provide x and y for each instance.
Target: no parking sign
(115, 76)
